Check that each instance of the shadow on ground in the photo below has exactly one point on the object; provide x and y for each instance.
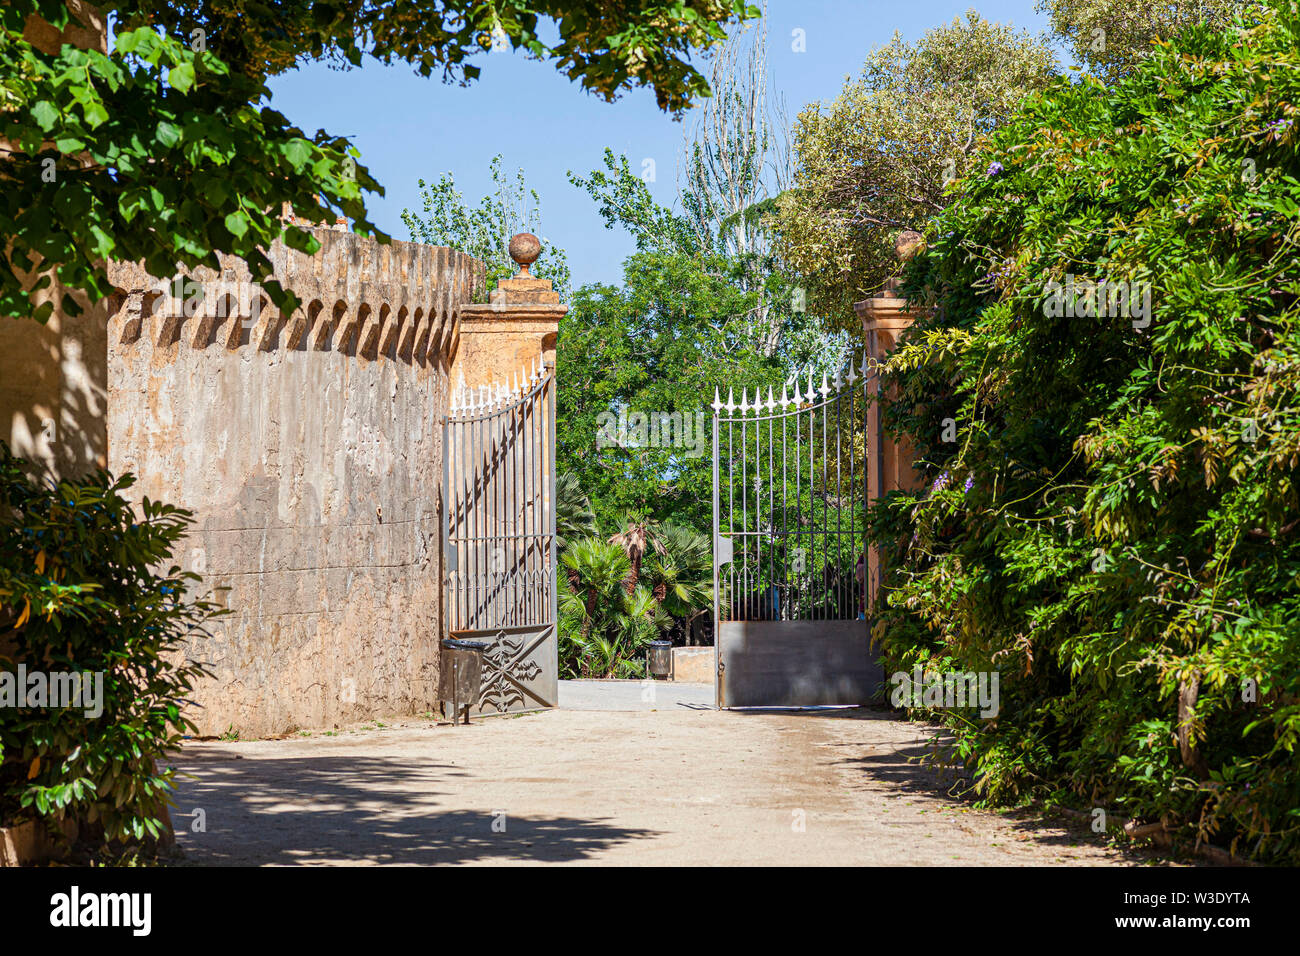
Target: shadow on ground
(303, 810)
(909, 769)
(912, 770)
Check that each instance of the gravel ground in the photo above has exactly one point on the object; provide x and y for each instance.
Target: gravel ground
(616, 782)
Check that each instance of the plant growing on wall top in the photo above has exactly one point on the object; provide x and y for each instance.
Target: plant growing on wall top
(484, 231)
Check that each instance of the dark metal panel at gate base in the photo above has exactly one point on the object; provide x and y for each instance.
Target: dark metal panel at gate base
(790, 477)
(519, 668)
(499, 537)
(796, 663)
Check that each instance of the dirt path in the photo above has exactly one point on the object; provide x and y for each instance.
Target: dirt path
(670, 786)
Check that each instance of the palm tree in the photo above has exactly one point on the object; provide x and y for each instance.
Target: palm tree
(602, 627)
(634, 540)
(595, 570)
(681, 578)
(573, 515)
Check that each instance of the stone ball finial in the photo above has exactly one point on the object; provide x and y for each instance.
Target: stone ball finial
(908, 244)
(524, 249)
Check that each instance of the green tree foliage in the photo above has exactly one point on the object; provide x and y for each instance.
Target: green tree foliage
(153, 152)
(164, 150)
(646, 582)
(735, 161)
(677, 329)
(680, 574)
(86, 585)
(1108, 36)
(605, 46)
(573, 515)
(875, 160)
(603, 628)
(485, 230)
(1115, 528)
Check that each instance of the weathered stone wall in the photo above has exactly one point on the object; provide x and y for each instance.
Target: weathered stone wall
(309, 448)
(52, 376)
(53, 381)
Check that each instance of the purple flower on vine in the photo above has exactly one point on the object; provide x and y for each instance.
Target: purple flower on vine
(994, 168)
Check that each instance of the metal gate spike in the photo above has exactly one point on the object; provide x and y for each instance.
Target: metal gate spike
(775, 612)
(717, 400)
(731, 400)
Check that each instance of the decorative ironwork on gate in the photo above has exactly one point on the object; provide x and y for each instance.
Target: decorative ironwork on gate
(790, 483)
(499, 535)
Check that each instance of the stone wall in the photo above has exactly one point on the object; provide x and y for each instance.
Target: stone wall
(309, 448)
(53, 384)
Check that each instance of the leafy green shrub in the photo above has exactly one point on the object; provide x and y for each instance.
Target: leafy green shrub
(603, 626)
(1116, 529)
(81, 590)
(680, 573)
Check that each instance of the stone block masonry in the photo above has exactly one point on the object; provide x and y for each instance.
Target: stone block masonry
(309, 448)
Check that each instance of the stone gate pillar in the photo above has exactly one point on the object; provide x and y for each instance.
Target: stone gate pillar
(516, 328)
(885, 317)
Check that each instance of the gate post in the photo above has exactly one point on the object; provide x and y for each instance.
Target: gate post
(513, 330)
(885, 317)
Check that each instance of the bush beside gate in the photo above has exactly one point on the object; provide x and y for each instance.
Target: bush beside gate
(1116, 529)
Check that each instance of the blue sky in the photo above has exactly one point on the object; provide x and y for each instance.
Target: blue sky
(409, 128)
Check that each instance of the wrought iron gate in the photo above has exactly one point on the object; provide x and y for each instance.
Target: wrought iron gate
(790, 479)
(499, 536)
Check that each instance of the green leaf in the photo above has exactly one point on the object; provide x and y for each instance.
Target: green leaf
(237, 222)
(181, 76)
(167, 134)
(46, 115)
(299, 153)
